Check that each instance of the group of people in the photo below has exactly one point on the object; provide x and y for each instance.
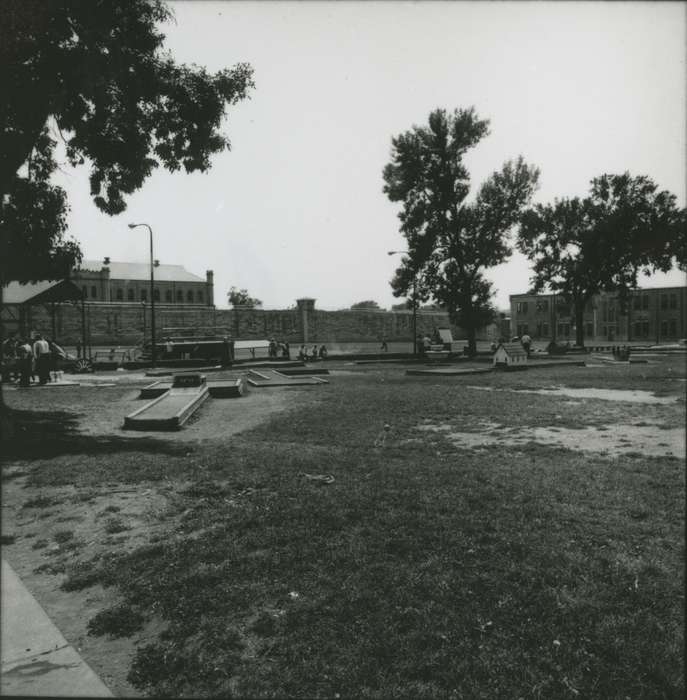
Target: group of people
(314, 354)
(26, 358)
(279, 348)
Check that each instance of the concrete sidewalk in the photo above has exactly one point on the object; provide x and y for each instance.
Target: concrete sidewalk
(36, 659)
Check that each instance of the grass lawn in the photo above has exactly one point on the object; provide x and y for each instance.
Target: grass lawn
(426, 568)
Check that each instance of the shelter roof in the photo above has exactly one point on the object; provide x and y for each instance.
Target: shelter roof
(513, 349)
(43, 291)
(141, 271)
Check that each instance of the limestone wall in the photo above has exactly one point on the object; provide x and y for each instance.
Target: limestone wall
(124, 323)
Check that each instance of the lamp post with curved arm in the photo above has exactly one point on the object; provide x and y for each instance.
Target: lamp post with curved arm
(405, 252)
(153, 354)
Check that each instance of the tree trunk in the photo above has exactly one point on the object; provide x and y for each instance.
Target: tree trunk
(7, 428)
(579, 323)
(472, 341)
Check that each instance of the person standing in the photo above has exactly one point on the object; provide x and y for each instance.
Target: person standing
(25, 354)
(526, 343)
(41, 354)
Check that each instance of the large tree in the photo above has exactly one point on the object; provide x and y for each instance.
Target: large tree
(242, 299)
(603, 242)
(367, 304)
(451, 242)
(94, 76)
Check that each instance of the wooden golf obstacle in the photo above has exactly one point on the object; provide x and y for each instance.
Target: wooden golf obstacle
(269, 378)
(176, 401)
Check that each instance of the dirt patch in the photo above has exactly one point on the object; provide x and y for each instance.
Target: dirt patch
(627, 395)
(77, 527)
(611, 440)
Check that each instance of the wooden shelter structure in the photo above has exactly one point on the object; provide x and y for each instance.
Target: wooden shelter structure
(18, 300)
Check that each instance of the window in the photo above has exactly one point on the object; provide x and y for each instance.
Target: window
(645, 329)
(180, 296)
(520, 329)
(545, 330)
(200, 295)
(144, 295)
(168, 296)
(638, 329)
(84, 291)
(543, 305)
(94, 292)
(564, 329)
(664, 301)
(611, 313)
(673, 328)
(589, 330)
(156, 294)
(189, 296)
(664, 328)
(673, 301)
(521, 307)
(636, 303)
(120, 294)
(645, 301)
(130, 294)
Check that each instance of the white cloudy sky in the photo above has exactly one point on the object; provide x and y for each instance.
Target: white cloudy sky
(296, 208)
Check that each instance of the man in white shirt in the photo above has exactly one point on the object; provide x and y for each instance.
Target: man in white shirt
(41, 352)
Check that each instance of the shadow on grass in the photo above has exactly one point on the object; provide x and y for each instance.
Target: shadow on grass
(45, 434)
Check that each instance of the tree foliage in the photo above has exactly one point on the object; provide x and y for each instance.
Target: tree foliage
(603, 242)
(451, 242)
(241, 298)
(368, 304)
(94, 75)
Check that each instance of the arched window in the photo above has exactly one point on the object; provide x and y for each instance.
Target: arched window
(180, 295)
(144, 295)
(200, 295)
(130, 294)
(156, 294)
(189, 296)
(120, 294)
(168, 296)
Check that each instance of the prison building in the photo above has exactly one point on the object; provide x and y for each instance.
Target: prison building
(655, 315)
(127, 282)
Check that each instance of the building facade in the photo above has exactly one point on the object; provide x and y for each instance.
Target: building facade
(106, 281)
(653, 315)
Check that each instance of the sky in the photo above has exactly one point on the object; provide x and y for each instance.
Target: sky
(296, 208)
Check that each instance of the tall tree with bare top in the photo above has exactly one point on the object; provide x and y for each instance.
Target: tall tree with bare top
(452, 241)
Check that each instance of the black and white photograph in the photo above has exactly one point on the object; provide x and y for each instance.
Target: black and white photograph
(343, 349)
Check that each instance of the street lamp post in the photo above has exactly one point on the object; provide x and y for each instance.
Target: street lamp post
(153, 354)
(405, 252)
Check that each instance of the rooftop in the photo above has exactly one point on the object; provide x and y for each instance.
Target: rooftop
(141, 271)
